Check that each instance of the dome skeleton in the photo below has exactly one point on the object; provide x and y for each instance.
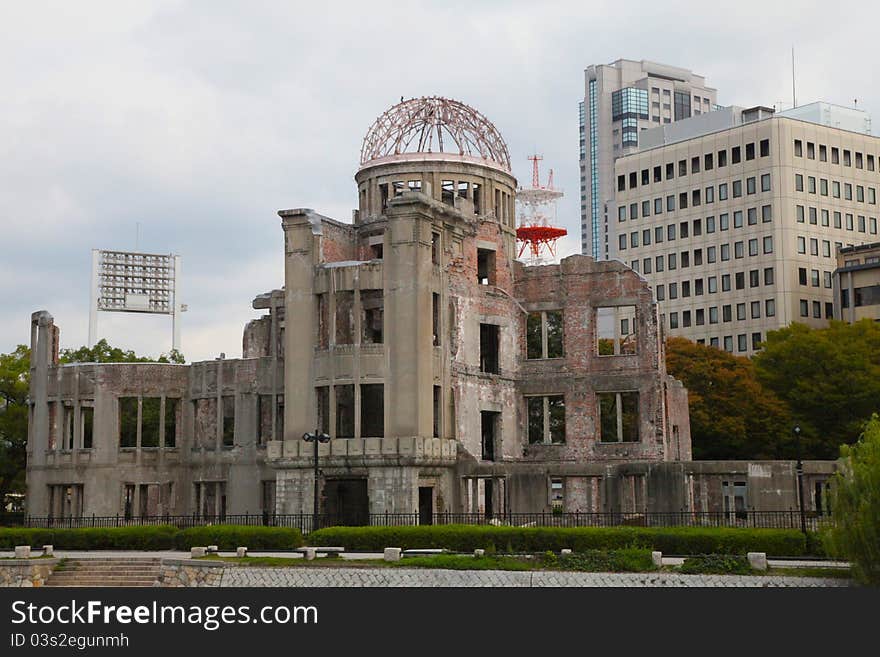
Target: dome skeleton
(421, 125)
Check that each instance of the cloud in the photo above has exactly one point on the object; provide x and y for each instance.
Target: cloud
(184, 126)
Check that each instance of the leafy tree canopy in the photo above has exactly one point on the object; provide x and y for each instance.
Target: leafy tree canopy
(732, 415)
(830, 378)
(102, 352)
(855, 498)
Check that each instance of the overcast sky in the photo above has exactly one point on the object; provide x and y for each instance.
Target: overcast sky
(199, 120)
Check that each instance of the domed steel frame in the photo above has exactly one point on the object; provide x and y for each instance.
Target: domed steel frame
(434, 124)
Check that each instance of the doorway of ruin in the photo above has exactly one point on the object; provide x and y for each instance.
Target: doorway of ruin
(346, 502)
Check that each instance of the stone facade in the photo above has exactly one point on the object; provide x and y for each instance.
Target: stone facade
(449, 377)
(25, 572)
(189, 573)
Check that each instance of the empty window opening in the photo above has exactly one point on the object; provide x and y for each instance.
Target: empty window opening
(372, 306)
(447, 192)
(557, 494)
(488, 427)
(435, 318)
(437, 411)
(67, 427)
(485, 267)
(171, 421)
(345, 317)
(414, 186)
(372, 410)
(619, 416)
(478, 199)
(322, 403)
(735, 499)
(399, 188)
(150, 407)
(323, 321)
(128, 421)
(264, 419)
(489, 348)
(267, 497)
(377, 251)
(435, 248)
(344, 411)
(383, 194)
(462, 190)
(228, 421)
(546, 418)
(87, 417)
(544, 334)
(616, 331)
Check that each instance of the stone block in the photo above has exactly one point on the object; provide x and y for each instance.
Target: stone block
(291, 448)
(406, 446)
(309, 553)
(48, 550)
(372, 446)
(479, 552)
(241, 552)
(273, 449)
(758, 560)
(389, 445)
(392, 554)
(213, 548)
(355, 447)
(197, 552)
(22, 551)
(339, 447)
(657, 559)
(565, 552)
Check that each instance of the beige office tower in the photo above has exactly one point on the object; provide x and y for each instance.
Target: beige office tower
(735, 218)
(621, 99)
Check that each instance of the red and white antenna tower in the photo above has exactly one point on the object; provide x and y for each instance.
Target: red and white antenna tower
(535, 232)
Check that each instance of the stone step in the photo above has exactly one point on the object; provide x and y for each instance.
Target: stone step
(106, 571)
(101, 583)
(135, 566)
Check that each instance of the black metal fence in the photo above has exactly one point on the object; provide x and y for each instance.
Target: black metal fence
(304, 522)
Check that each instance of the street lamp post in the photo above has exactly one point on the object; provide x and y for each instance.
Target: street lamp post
(799, 468)
(316, 438)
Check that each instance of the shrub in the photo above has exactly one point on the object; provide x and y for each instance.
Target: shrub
(716, 564)
(625, 560)
(229, 537)
(153, 537)
(669, 540)
(855, 498)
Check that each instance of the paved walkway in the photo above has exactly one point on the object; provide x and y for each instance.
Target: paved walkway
(410, 577)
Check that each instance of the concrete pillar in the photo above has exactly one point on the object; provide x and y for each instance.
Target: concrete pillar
(302, 234)
(408, 345)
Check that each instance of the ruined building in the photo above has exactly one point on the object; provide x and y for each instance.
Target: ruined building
(450, 376)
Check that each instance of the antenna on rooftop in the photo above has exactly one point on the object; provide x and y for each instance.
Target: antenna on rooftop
(793, 95)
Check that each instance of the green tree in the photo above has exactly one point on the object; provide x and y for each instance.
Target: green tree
(102, 352)
(855, 500)
(14, 383)
(732, 415)
(830, 378)
(14, 377)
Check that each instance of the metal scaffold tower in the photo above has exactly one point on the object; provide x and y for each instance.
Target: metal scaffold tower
(535, 233)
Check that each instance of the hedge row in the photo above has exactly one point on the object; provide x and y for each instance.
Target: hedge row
(152, 537)
(669, 540)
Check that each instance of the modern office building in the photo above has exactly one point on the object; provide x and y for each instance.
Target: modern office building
(856, 283)
(737, 227)
(622, 99)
